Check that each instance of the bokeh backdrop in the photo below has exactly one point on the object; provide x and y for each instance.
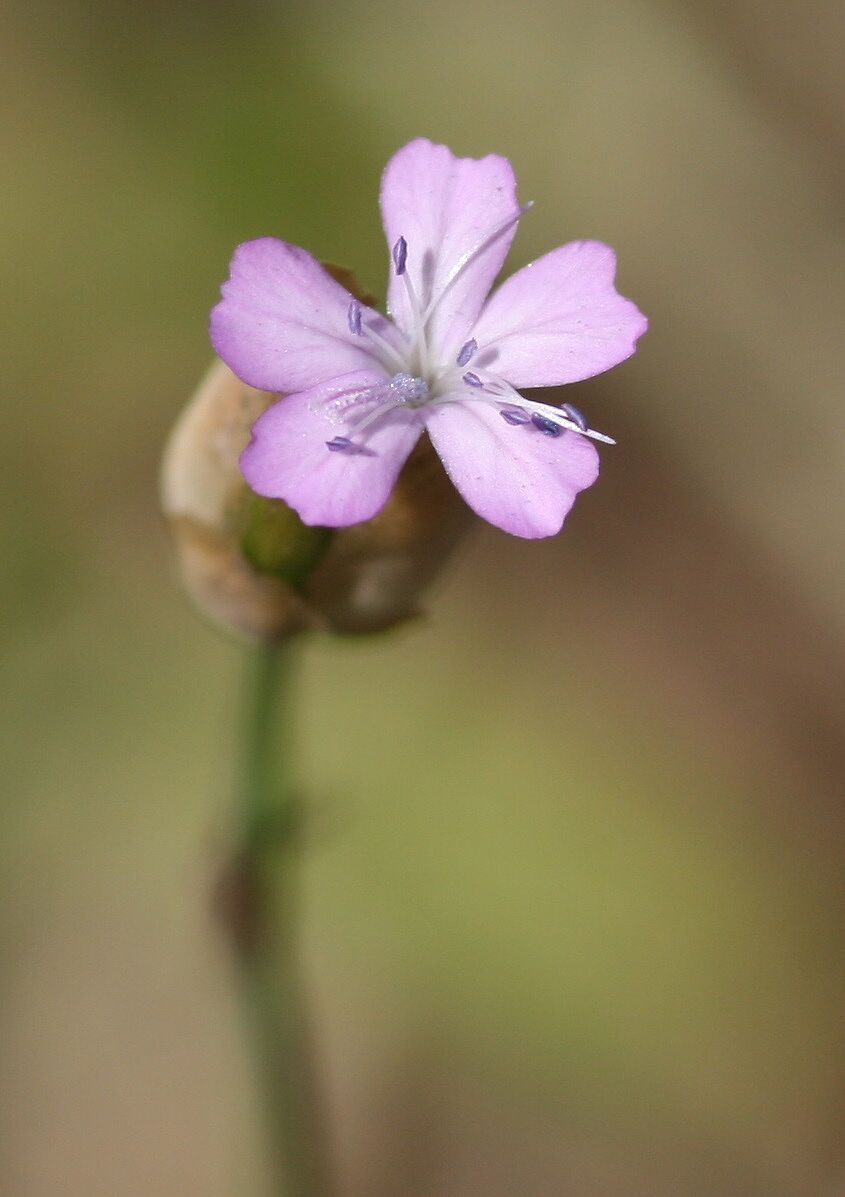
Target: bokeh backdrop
(574, 902)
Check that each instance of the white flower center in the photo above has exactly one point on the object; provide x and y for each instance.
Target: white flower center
(418, 381)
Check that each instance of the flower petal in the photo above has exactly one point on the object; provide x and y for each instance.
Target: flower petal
(514, 477)
(282, 324)
(559, 319)
(446, 208)
(288, 457)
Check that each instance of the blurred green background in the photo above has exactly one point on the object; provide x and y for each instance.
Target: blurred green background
(574, 896)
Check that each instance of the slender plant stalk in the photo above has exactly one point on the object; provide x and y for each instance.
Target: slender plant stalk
(261, 899)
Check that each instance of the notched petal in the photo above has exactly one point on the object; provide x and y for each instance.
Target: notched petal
(444, 208)
(559, 319)
(281, 324)
(512, 475)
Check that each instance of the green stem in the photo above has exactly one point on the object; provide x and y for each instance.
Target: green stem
(262, 911)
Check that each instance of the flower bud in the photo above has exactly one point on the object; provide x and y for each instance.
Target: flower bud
(252, 566)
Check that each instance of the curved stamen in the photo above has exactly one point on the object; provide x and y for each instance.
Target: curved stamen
(354, 318)
(392, 359)
(377, 395)
(382, 410)
(464, 260)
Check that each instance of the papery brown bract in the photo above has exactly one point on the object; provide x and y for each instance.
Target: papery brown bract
(253, 567)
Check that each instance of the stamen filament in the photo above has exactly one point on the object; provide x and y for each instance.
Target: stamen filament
(501, 395)
(466, 258)
(399, 253)
(419, 322)
(558, 415)
(381, 410)
(396, 361)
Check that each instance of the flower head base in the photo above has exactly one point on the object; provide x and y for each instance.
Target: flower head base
(253, 567)
(359, 389)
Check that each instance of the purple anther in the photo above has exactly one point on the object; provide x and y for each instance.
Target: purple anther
(547, 426)
(472, 380)
(575, 414)
(466, 352)
(514, 415)
(338, 444)
(353, 316)
(400, 255)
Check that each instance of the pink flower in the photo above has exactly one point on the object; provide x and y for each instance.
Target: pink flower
(359, 389)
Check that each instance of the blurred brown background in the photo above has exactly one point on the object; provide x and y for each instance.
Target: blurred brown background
(574, 900)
